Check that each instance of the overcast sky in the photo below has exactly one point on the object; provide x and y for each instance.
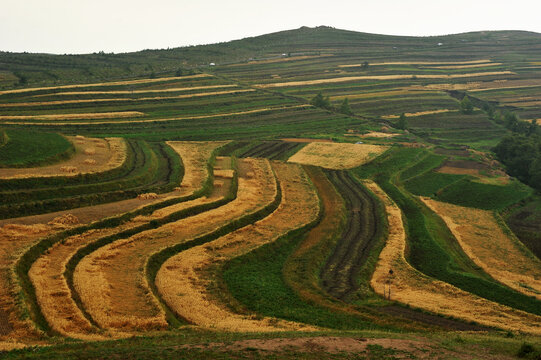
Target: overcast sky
(83, 26)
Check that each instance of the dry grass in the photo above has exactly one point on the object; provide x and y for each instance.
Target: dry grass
(418, 63)
(501, 256)
(106, 154)
(411, 287)
(184, 279)
(420, 113)
(283, 59)
(336, 155)
(113, 83)
(107, 115)
(376, 134)
(167, 119)
(144, 91)
(396, 92)
(305, 140)
(111, 280)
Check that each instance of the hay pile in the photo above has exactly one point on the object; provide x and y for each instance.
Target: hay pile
(64, 220)
(147, 196)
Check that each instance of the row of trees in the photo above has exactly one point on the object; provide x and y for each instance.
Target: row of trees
(324, 102)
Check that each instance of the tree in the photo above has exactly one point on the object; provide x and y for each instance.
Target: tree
(344, 108)
(402, 122)
(466, 106)
(321, 101)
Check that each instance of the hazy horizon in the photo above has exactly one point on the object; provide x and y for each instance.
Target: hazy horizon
(68, 27)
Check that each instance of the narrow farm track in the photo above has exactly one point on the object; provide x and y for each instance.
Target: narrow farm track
(411, 287)
(116, 271)
(188, 295)
(339, 274)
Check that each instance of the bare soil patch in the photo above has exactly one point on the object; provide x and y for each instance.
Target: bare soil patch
(420, 113)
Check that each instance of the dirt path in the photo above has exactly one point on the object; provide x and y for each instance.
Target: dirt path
(184, 279)
(411, 287)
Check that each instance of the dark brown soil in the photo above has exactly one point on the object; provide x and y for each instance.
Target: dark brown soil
(452, 152)
(465, 164)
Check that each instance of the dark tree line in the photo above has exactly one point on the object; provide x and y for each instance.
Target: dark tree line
(324, 102)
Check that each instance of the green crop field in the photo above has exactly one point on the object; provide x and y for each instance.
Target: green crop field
(157, 208)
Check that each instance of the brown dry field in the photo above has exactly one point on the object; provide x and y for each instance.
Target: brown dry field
(306, 140)
(117, 270)
(336, 155)
(189, 294)
(524, 104)
(420, 113)
(478, 86)
(411, 287)
(81, 116)
(382, 77)
(420, 63)
(462, 66)
(108, 153)
(127, 82)
(46, 273)
(164, 119)
(501, 256)
(458, 171)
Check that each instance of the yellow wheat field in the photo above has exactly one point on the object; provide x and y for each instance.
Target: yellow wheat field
(336, 155)
(184, 279)
(420, 113)
(411, 287)
(254, 111)
(499, 255)
(109, 153)
(376, 134)
(111, 280)
(143, 91)
(419, 63)
(82, 116)
(382, 77)
(395, 92)
(112, 83)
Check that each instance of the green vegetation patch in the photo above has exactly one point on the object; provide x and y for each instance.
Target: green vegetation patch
(25, 148)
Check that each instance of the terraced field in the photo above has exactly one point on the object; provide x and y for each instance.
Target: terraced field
(330, 182)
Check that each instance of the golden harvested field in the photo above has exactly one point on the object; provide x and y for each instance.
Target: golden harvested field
(108, 115)
(411, 287)
(480, 85)
(144, 91)
(336, 155)
(463, 66)
(382, 77)
(395, 92)
(14, 240)
(420, 113)
(254, 111)
(108, 153)
(113, 83)
(501, 256)
(376, 134)
(183, 280)
(116, 271)
(419, 63)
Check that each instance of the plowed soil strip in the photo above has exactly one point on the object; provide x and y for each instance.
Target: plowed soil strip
(113, 83)
(183, 279)
(480, 235)
(336, 156)
(381, 77)
(111, 280)
(411, 287)
(47, 273)
(339, 274)
(106, 154)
